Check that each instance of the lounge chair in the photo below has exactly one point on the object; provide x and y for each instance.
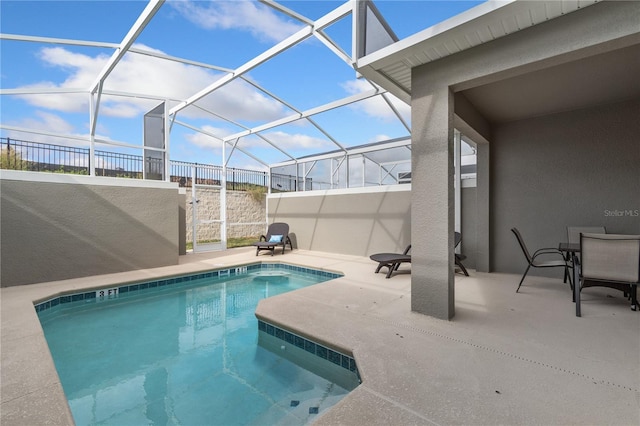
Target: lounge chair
(610, 260)
(537, 263)
(277, 235)
(391, 260)
(460, 257)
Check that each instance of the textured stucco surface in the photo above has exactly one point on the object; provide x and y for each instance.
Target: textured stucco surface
(570, 169)
(53, 231)
(355, 223)
(432, 209)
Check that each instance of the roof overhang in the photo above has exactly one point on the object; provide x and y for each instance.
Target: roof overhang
(391, 66)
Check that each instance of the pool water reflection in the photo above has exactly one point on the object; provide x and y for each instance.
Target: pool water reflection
(186, 354)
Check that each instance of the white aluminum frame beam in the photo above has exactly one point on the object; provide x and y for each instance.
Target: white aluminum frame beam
(51, 40)
(145, 17)
(291, 107)
(248, 66)
(42, 132)
(96, 88)
(292, 40)
(244, 127)
(312, 28)
(41, 91)
(287, 11)
(404, 142)
(77, 138)
(308, 113)
(204, 132)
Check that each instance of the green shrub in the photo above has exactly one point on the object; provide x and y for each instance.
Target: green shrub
(12, 160)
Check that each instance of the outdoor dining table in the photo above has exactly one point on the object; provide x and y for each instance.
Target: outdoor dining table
(573, 249)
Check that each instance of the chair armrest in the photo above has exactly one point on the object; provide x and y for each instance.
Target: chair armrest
(263, 238)
(547, 250)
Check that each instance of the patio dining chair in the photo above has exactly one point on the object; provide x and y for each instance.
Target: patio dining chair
(610, 260)
(573, 232)
(573, 237)
(534, 261)
(460, 257)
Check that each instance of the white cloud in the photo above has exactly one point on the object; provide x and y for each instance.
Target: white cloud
(376, 107)
(259, 20)
(49, 122)
(251, 166)
(52, 123)
(144, 74)
(379, 138)
(205, 141)
(288, 141)
(285, 141)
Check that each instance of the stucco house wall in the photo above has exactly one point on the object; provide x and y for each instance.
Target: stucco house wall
(576, 168)
(437, 93)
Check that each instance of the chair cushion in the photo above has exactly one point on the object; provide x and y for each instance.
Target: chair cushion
(275, 239)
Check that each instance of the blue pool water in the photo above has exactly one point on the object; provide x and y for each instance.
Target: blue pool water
(187, 354)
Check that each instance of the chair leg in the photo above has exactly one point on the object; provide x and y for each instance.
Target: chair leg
(461, 266)
(577, 300)
(392, 268)
(524, 275)
(568, 274)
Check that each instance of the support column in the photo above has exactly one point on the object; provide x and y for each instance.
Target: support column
(482, 209)
(432, 202)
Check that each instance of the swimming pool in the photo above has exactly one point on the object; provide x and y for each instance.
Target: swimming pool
(189, 351)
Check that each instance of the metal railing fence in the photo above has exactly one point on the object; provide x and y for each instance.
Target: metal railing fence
(44, 157)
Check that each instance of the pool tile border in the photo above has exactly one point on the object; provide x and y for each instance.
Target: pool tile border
(345, 361)
(214, 273)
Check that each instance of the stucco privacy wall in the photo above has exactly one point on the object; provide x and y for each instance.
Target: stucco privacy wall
(579, 168)
(378, 229)
(359, 221)
(60, 226)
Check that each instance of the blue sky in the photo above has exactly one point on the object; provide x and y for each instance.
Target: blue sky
(220, 33)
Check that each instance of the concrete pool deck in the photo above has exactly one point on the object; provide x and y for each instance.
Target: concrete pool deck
(505, 358)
